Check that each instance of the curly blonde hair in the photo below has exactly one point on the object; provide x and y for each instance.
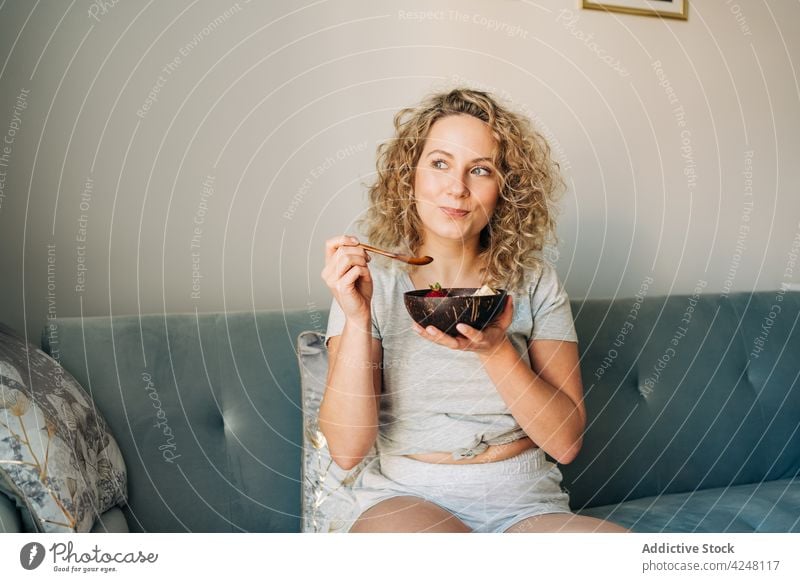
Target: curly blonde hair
(529, 182)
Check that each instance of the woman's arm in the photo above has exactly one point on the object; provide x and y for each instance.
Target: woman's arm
(546, 399)
(348, 414)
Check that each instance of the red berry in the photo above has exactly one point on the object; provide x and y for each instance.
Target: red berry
(436, 291)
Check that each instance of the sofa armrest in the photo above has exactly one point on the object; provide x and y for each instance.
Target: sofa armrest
(10, 520)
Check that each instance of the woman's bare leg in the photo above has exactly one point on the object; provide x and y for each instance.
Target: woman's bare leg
(565, 522)
(406, 513)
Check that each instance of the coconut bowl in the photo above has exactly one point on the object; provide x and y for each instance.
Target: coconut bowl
(459, 306)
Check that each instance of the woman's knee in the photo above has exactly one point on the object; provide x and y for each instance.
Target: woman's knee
(405, 514)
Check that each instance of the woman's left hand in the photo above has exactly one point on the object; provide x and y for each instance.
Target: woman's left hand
(473, 340)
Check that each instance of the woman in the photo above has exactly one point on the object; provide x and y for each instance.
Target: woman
(461, 424)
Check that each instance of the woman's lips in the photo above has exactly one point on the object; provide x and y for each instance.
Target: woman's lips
(453, 213)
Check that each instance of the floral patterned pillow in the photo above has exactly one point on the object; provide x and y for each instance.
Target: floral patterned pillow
(327, 499)
(58, 460)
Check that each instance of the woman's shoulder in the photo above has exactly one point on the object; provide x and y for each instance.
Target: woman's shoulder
(540, 275)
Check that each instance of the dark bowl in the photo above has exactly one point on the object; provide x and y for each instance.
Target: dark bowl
(460, 306)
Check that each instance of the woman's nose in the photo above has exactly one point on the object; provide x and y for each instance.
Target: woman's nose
(457, 187)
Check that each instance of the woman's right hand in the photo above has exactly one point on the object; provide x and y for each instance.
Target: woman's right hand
(347, 276)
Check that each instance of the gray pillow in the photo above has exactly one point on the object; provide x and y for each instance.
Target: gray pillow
(58, 461)
(328, 503)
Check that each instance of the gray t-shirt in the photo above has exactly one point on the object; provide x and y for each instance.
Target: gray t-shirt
(435, 398)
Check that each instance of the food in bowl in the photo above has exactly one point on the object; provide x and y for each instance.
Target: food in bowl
(436, 291)
(485, 290)
(453, 305)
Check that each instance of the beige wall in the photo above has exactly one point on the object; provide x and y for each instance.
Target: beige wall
(265, 121)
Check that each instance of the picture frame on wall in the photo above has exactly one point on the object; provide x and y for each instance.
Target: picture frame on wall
(665, 8)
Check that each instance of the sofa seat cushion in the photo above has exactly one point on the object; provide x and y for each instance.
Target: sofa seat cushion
(770, 506)
(111, 521)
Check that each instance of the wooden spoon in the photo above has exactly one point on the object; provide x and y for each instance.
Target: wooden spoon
(410, 260)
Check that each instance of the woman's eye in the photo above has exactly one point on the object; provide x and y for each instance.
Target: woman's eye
(477, 171)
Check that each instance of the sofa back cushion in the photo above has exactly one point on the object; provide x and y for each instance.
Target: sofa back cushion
(207, 413)
(686, 392)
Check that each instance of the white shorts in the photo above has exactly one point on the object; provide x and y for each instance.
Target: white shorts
(487, 497)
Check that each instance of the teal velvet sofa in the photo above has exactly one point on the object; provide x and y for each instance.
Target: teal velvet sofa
(693, 405)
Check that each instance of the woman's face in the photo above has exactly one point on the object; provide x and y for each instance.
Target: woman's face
(454, 173)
